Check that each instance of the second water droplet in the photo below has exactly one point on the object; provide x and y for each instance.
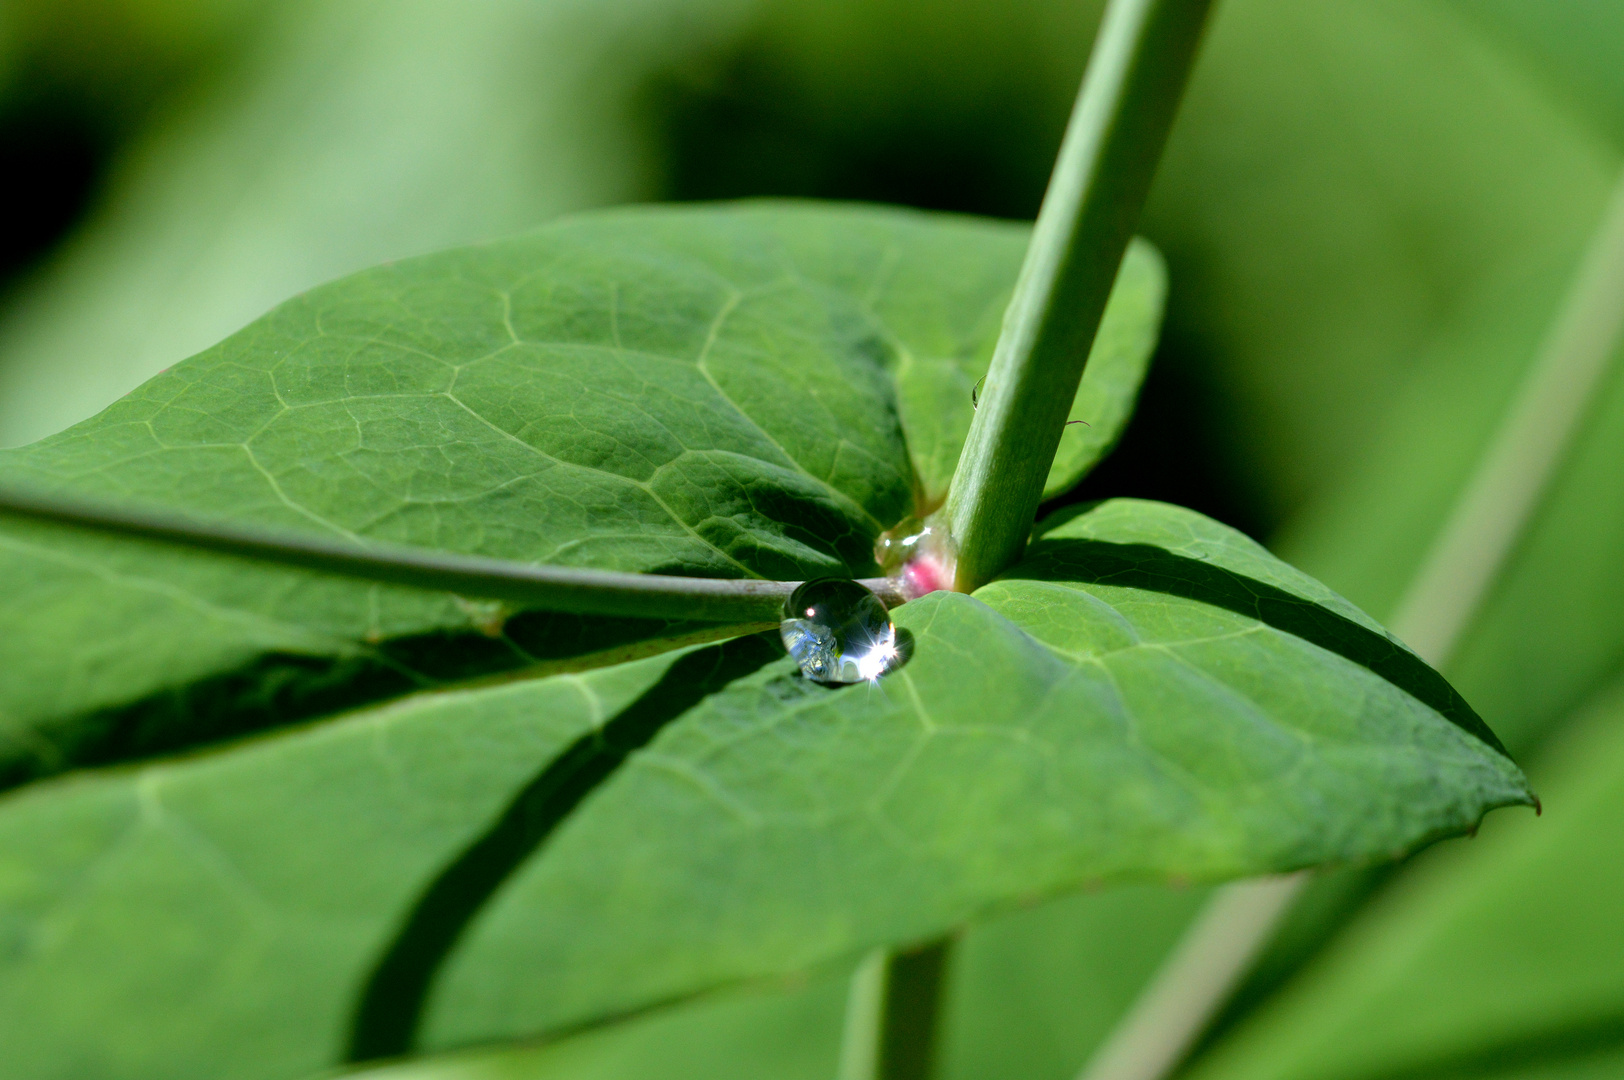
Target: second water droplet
(917, 556)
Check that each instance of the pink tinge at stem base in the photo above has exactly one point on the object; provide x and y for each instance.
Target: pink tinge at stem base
(917, 556)
(925, 575)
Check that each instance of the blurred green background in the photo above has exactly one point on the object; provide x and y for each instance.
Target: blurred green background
(1371, 209)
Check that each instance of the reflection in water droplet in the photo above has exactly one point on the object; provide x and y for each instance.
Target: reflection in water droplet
(839, 632)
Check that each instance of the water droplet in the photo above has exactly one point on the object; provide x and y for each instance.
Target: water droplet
(917, 556)
(839, 632)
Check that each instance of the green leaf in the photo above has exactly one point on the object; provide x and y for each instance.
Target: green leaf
(1493, 959)
(1346, 285)
(788, 1032)
(1067, 724)
(274, 870)
(1037, 1017)
(719, 391)
(1180, 553)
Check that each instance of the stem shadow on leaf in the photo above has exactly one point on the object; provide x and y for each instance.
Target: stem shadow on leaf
(1144, 566)
(390, 1008)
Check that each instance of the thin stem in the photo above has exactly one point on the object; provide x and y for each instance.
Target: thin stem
(1494, 509)
(1136, 75)
(1141, 60)
(1468, 557)
(865, 1007)
(892, 1013)
(555, 588)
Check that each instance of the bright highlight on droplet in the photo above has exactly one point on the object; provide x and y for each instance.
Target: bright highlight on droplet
(845, 635)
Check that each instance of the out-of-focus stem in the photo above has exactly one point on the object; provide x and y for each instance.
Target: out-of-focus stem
(892, 1013)
(1467, 558)
(1196, 978)
(1498, 502)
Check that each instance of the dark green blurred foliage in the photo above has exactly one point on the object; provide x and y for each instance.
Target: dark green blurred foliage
(77, 79)
(893, 101)
(1371, 211)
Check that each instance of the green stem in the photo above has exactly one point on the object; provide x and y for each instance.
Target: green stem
(893, 1012)
(1136, 75)
(865, 1011)
(555, 588)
